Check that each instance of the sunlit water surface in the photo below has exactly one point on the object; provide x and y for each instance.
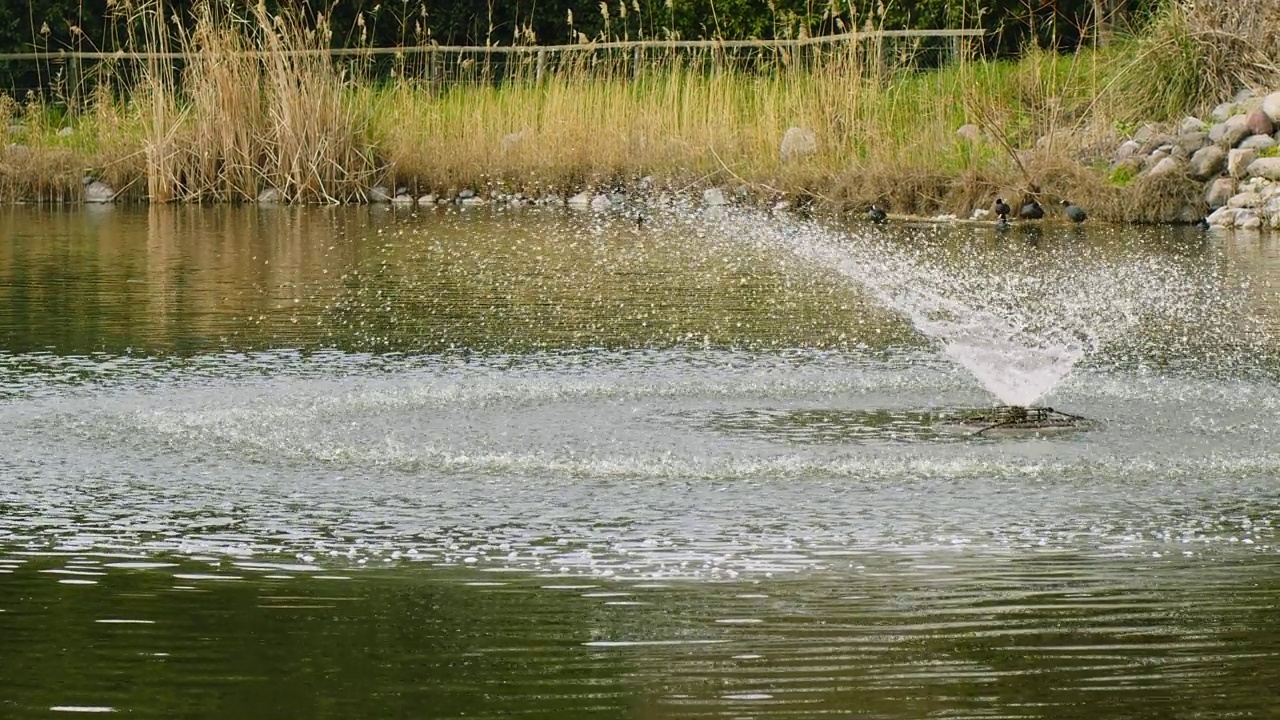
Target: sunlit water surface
(357, 463)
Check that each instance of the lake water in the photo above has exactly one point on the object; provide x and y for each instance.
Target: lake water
(357, 462)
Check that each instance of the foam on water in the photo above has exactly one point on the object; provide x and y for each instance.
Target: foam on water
(1019, 328)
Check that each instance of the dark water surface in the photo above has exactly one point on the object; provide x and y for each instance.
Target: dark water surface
(351, 463)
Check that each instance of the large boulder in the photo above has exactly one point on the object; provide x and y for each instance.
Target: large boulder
(1207, 162)
(798, 142)
(1271, 106)
(1238, 162)
(1259, 123)
(1258, 142)
(1166, 166)
(1267, 167)
(1228, 134)
(1245, 200)
(1219, 192)
(1192, 124)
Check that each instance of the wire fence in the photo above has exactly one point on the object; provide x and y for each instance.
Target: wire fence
(70, 75)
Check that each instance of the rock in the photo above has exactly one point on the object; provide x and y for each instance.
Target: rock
(1144, 133)
(1159, 154)
(1271, 106)
(1243, 95)
(269, 196)
(1129, 167)
(646, 183)
(1248, 220)
(1223, 217)
(379, 194)
(466, 194)
(1127, 149)
(471, 201)
(1158, 141)
(980, 214)
(1267, 167)
(1238, 161)
(428, 199)
(798, 142)
(1219, 192)
(580, 201)
(402, 197)
(66, 132)
(1222, 112)
(1229, 133)
(969, 132)
(1245, 200)
(781, 206)
(1271, 212)
(1190, 142)
(1192, 124)
(714, 197)
(1258, 123)
(96, 191)
(600, 202)
(1166, 166)
(1207, 162)
(1258, 142)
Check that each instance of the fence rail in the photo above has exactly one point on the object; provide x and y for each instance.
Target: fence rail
(955, 35)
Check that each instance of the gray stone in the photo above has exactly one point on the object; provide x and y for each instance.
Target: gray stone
(1238, 161)
(1144, 133)
(1248, 220)
(1160, 154)
(1127, 149)
(1271, 211)
(1271, 106)
(1222, 112)
(581, 200)
(797, 143)
(1223, 217)
(969, 132)
(1229, 133)
(96, 191)
(1190, 142)
(1219, 192)
(466, 194)
(1165, 166)
(1267, 167)
(714, 197)
(402, 197)
(428, 199)
(472, 201)
(1158, 141)
(379, 194)
(269, 196)
(600, 202)
(1207, 162)
(1245, 200)
(1258, 123)
(1258, 142)
(1192, 124)
(66, 132)
(1243, 95)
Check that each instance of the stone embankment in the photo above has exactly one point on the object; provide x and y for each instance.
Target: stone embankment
(1235, 152)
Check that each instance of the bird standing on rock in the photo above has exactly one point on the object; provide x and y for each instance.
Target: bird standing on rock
(877, 215)
(1031, 211)
(1074, 212)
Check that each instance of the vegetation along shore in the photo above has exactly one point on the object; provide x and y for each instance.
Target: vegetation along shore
(1171, 115)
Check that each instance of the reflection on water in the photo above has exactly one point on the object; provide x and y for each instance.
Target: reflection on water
(357, 463)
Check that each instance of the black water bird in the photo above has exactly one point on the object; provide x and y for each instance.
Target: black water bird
(1203, 224)
(1031, 211)
(1001, 209)
(1074, 212)
(877, 215)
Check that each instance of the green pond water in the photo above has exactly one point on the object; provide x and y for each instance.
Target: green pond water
(374, 463)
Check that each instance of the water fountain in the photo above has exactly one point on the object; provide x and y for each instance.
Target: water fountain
(1019, 328)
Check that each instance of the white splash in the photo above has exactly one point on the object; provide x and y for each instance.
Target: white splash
(1018, 322)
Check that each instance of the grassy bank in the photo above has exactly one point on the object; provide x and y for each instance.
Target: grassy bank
(229, 125)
